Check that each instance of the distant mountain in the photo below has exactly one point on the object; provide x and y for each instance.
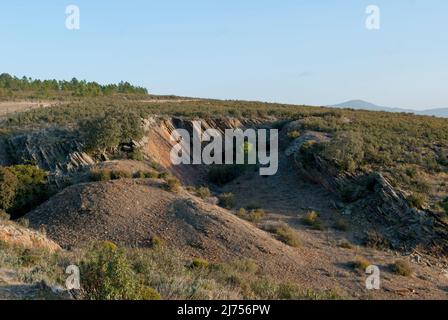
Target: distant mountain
(441, 112)
(364, 105)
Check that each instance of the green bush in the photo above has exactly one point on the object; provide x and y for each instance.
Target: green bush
(108, 275)
(151, 175)
(139, 175)
(9, 185)
(294, 134)
(30, 258)
(148, 293)
(146, 175)
(200, 264)
(120, 174)
(173, 184)
(163, 175)
(223, 174)
(107, 133)
(22, 187)
(417, 200)
(202, 192)
(346, 150)
(287, 235)
(137, 155)
(100, 175)
(156, 242)
(227, 200)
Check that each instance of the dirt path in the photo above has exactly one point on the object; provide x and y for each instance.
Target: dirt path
(287, 197)
(10, 107)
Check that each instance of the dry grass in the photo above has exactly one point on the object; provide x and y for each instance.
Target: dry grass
(227, 200)
(202, 192)
(284, 233)
(311, 219)
(172, 184)
(254, 215)
(360, 264)
(402, 268)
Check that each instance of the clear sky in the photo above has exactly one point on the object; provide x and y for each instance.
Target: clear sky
(296, 51)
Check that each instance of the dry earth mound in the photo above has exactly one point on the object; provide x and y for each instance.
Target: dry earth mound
(132, 212)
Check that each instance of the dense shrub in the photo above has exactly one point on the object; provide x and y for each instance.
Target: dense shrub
(137, 155)
(146, 175)
(202, 192)
(417, 200)
(100, 175)
(9, 185)
(223, 174)
(227, 200)
(172, 184)
(108, 132)
(108, 275)
(22, 187)
(294, 134)
(287, 235)
(346, 150)
(120, 174)
(155, 242)
(199, 264)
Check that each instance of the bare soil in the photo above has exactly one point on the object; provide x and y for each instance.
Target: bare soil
(288, 198)
(11, 107)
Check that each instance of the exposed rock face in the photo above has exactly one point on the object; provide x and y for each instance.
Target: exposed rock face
(53, 150)
(60, 151)
(157, 143)
(307, 136)
(405, 227)
(373, 203)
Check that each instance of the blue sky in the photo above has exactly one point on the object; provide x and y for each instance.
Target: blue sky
(295, 51)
